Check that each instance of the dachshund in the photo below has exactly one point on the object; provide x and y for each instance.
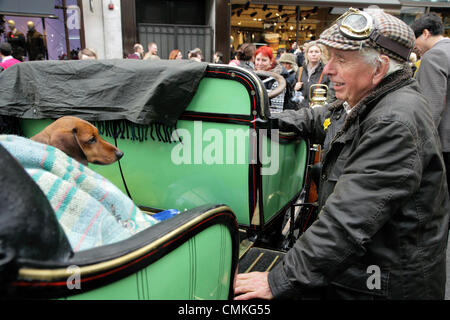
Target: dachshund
(80, 140)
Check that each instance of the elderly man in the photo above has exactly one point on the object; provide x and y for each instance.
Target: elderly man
(382, 228)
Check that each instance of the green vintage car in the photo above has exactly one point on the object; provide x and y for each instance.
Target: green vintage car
(195, 140)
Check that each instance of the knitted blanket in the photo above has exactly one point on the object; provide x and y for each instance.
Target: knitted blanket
(91, 210)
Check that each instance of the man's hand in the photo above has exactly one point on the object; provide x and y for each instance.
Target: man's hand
(253, 285)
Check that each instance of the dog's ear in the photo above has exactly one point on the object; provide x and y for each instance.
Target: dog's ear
(75, 134)
(67, 141)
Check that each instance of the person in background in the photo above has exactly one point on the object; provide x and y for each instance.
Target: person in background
(175, 55)
(265, 61)
(234, 60)
(312, 71)
(294, 47)
(288, 61)
(218, 57)
(138, 52)
(297, 50)
(87, 54)
(382, 227)
(280, 51)
(245, 56)
(195, 54)
(433, 74)
(412, 62)
(152, 52)
(6, 56)
(300, 56)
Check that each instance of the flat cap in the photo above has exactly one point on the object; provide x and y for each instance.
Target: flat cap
(389, 35)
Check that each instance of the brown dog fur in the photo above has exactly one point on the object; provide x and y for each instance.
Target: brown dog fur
(80, 140)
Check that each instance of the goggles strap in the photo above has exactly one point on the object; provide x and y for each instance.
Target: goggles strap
(390, 45)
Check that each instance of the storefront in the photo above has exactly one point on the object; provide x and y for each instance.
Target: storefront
(281, 23)
(42, 29)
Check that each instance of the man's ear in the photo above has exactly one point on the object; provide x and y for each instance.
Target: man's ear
(426, 33)
(381, 69)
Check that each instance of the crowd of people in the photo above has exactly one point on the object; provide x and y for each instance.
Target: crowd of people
(288, 64)
(176, 54)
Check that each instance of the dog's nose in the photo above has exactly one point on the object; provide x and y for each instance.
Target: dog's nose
(119, 154)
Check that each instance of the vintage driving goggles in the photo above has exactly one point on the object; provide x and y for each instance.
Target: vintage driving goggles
(358, 25)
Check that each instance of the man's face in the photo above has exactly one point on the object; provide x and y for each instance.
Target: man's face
(153, 49)
(352, 77)
(421, 45)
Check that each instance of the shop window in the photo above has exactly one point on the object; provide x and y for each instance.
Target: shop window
(60, 35)
(278, 26)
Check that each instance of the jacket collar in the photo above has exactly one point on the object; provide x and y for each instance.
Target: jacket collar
(391, 82)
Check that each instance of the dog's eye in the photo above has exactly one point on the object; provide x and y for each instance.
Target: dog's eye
(92, 140)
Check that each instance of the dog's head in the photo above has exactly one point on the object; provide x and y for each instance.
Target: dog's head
(80, 140)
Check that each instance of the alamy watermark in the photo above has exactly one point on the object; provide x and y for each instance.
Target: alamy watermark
(74, 279)
(374, 280)
(206, 147)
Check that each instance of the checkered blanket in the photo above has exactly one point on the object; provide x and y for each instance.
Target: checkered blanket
(91, 210)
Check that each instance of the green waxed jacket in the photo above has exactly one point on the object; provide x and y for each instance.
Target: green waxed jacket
(383, 200)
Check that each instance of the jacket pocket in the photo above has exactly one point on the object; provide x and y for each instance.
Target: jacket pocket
(363, 281)
(337, 169)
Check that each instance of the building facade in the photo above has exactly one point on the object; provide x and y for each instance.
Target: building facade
(112, 27)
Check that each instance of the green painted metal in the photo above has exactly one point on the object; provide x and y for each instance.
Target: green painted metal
(281, 187)
(197, 270)
(193, 173)
(31, 127)
(220, 96)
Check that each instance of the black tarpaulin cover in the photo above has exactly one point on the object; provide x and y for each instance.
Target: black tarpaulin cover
(141, 91)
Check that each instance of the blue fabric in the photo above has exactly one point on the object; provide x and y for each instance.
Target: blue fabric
(164, 215)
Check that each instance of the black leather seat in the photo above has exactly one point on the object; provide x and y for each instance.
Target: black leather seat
(28, 226)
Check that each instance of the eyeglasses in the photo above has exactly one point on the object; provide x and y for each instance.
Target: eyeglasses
(358, 25)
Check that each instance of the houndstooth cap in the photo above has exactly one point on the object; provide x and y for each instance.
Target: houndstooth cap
(392, 37)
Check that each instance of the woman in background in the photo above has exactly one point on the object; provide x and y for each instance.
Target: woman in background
(315, 58)
(245, 56)
(265, 61)
(175, 55)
